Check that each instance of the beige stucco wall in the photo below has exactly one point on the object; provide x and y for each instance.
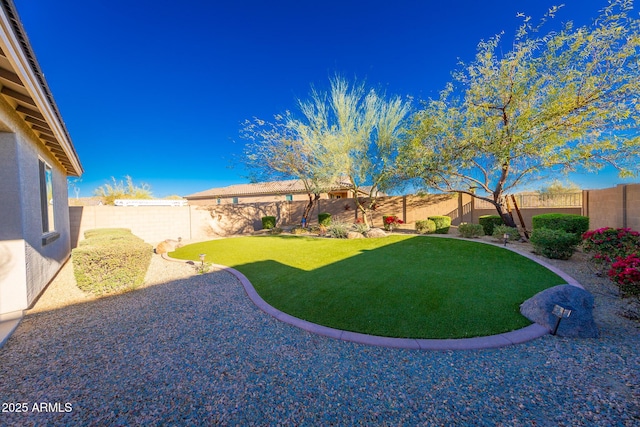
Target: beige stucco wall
(21, 231)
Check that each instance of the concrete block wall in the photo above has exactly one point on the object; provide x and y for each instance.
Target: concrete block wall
(613, 207)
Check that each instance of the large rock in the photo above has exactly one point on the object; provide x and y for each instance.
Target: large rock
(354, 235)
(579, 324)
(376, 232)
(168, 246)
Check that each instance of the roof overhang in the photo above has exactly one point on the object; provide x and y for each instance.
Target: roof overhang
(23, 85)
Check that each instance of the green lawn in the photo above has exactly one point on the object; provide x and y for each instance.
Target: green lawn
(398, 286)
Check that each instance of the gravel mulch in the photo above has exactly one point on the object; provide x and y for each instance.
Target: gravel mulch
(191, 349)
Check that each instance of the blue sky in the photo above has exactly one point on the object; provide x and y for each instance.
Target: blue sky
(157, 89)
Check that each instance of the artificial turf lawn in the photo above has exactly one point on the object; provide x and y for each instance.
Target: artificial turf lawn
(396, 286)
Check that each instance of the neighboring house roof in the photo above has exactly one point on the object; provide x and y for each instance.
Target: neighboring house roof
(23, 85)
(289, 186)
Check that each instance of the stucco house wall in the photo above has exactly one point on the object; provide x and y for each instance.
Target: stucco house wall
(32, 134)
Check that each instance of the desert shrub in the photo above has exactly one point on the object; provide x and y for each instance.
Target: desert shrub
(500, 230)
(470, 230)
(425, 226)
(442, 223)
(110, 260)
(360, 227)
(489, 222)
(324, 218)
(390, 222)
(554, 244)
(268, 222)
(626, 273)
(339, 230)
(576, 224)
(275, 230)
(298, 230)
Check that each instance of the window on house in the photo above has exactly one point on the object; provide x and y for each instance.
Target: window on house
(234, 201)
(46, 197)
(289, 197)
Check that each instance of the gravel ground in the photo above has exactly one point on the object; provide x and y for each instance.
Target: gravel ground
(189, 349)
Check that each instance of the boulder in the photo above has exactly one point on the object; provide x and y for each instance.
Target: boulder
(354, 235)
(168, 246)
(376, 232)
(579, 324)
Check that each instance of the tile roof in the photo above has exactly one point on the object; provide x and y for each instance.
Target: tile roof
(289, 186)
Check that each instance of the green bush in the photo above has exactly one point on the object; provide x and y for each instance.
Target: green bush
(470, 230)
(554, 244)
(500, 230)
(425, 226)
(268, 222)
(442, 223)
(338, 230)
(576, 224)
(360, 227)
(110, 260)
(489, 222)
(324, 218)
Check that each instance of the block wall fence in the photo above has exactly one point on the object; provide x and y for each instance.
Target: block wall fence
(616, 207)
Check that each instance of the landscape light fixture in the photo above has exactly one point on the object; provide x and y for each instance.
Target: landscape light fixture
(202, 259)
(560, 313)
(505, 236)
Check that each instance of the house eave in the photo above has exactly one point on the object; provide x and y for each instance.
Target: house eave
(29, 93)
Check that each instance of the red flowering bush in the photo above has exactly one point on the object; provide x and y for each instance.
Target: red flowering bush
(608, 244)
(626, 273)
(391, 222)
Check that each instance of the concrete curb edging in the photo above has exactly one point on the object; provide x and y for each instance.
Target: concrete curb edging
(519, 336)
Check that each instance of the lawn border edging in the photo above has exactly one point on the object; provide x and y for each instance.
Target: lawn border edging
(518, 336)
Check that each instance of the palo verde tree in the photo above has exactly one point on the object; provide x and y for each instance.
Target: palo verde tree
(345, 134)
(550, 104)
(361, 133)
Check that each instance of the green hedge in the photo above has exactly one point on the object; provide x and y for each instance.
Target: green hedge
(576, 224)
(442, 223)
(110, 260)
(268, 222)
(425, 226)
(500, 230)
(324, 218)
(488, 222)
(470, 230)
(554, 244)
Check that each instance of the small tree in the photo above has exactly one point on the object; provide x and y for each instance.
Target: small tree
(121, 190)
(552, 103)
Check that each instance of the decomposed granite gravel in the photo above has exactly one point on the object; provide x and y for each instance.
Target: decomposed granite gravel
(191, 349)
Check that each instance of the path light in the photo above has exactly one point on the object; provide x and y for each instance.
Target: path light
(505, 236)
(202, 259)
(560, 313)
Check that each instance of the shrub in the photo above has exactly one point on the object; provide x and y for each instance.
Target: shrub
(324, 218)
(360, 227)
(470, 230)
(500, 230)
(298, 230)
(391, 221)
(425, 226)
(576, 224)
(442, 223)
(339, 230)
(268, 222)
(554, 244)
(607, 244)
(626, 273)
(489, 222)
(110, 260)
